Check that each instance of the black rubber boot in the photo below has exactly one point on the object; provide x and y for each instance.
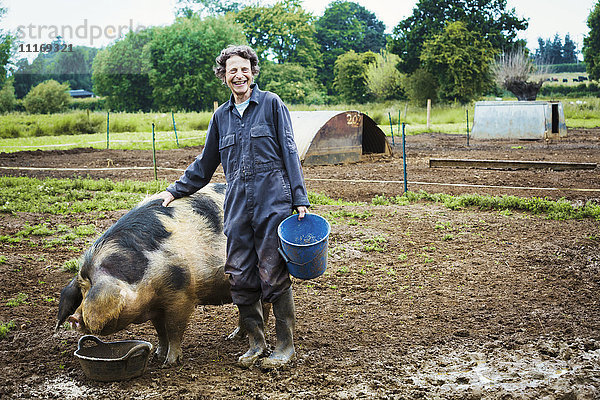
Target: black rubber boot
(251, 318)
(285, 321)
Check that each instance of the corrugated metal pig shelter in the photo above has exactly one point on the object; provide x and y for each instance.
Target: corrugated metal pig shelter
(335, 137)
(519, 120)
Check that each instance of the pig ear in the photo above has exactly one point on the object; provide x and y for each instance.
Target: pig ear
(102, 304)
(70, 299)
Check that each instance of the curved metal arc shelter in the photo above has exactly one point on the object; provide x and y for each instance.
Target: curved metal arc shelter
(336, 137)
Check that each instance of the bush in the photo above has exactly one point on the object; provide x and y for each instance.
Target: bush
(90, 103)
(294, 83)
(383, 78)
(200, 123)
(350, 70)
(420, 86)
(81, 122)
(47, 97)
(9, 131)
(580, 90)
(8, 101)
(558, 68)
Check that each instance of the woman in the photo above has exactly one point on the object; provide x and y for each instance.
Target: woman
(251, 136)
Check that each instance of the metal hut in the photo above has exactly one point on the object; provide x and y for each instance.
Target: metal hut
(336, 137)
(519, 120)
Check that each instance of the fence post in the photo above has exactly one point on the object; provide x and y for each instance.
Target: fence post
(404, 155)
(175, 128)
(467, 126)
(107, 127)
(154, 154)
(399, 119)
(428, 114)
(391, 127)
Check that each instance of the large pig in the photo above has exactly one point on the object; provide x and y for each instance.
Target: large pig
(155, 263)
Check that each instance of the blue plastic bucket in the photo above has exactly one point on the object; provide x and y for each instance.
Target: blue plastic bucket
(303, 245)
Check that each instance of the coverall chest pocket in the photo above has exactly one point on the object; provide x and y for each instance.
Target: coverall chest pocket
(226, 150)
(265, 145)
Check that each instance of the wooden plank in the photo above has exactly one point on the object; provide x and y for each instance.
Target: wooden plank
(507, 164)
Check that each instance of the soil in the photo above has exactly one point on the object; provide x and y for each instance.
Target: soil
(418, 301)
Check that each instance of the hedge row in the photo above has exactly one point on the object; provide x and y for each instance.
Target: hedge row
(580, 90)
(558, 68)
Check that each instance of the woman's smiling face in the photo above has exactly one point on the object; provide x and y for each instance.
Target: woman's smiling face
(238, 77)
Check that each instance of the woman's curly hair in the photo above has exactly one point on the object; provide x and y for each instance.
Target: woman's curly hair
(232, 50)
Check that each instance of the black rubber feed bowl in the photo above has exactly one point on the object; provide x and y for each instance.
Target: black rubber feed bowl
(112, 361)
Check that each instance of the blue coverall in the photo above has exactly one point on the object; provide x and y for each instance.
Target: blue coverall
(264, 184)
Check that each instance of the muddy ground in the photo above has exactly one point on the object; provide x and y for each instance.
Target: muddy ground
(418, 301)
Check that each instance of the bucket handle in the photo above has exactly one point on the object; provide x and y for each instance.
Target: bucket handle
(144, 347)
(287, 259)
(88, 338)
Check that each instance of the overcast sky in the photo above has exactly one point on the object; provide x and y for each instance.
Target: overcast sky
(97, 23)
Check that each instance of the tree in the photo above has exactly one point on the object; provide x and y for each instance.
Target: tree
(569, 51)
(351, 75)
(346, 26)
(48, 97)
(383, 78)
(6, 50)
(182, 57)
(121, 72)
(283, 32)
(460, 60)
(294, 83)
(205, 8)
(513, 71)
(591, 44)
(74, 67)
(553, 51)
(491, 18)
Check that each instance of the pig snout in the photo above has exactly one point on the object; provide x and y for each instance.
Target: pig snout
(76, 321)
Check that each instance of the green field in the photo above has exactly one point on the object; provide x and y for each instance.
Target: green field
(21, 131)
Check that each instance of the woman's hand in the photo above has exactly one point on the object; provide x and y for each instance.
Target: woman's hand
(165, 196)
(302, 211)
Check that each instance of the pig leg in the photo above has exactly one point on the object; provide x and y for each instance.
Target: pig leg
(176, 319)
(160, 354)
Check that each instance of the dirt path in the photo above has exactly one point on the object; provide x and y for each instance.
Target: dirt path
(418, 301)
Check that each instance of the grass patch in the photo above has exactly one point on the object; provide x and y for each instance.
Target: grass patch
(71, 265)
(85, 230)
(321, 199)
(26, 125)
(377, 243)
(6, 327)
(350, 216)
(553, 209)
(66, 196)
(17, 301)
(35, 230)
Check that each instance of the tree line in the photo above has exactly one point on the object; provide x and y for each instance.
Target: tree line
(556, 51)
(442, 51)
